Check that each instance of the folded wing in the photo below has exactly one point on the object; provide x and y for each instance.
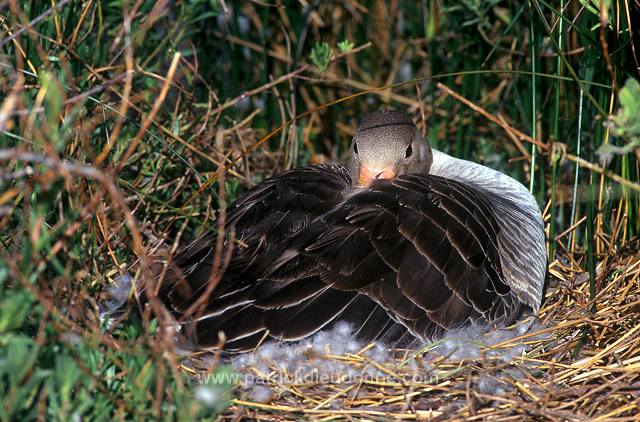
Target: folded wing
(412, 256)
(248, 305)
(423, 247)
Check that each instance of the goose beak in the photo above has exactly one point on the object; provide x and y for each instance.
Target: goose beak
(369, 175)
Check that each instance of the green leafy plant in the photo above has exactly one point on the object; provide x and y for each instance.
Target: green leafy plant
(627, 121)
(345, 46)
(321, 55)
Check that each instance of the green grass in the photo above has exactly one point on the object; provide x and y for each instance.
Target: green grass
(83, 83)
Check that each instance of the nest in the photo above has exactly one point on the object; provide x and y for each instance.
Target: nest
(580, 359)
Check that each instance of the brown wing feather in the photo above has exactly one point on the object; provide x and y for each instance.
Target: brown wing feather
(413, 256)
(419, 241)
(247, 304)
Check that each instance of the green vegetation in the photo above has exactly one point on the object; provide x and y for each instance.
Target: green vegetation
(627, 120)
(124, 126)
(321, 55)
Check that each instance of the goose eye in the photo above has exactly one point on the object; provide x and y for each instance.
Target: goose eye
(409, 151)
(355, 147)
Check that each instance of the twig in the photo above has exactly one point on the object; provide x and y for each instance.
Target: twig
(152, 114)
(524, 137)
(33, 22)
(72, 100)
(66, 167)
(280, 80)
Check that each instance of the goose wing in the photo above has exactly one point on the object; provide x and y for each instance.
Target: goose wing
(423, 247)
(248, 305)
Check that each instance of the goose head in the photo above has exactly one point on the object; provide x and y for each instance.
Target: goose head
(387, 144)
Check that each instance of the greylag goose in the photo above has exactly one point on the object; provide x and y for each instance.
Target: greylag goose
(404, 243)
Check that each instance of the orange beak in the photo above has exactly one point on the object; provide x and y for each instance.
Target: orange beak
(368, 175)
